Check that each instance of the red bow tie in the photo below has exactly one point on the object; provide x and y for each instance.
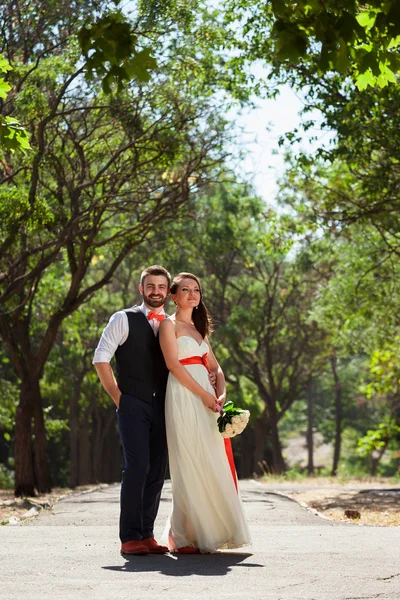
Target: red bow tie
(152, 315)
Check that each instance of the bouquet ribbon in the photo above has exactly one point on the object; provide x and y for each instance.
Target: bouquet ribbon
(202, 360)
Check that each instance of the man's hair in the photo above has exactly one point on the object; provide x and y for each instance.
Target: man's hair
(155, 270)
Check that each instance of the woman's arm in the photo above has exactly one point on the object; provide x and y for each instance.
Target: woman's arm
(169, 349)
(220, 385)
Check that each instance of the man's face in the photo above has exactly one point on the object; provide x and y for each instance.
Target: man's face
(154, 290)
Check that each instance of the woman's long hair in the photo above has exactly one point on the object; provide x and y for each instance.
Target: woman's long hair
(201, 317)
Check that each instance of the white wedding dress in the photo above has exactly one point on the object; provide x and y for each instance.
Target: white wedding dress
(207, 511)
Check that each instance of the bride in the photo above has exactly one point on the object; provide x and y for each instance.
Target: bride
(207, 512)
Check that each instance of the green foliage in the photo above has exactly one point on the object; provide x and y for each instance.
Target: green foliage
(348, 37)
(356, 179)
(377, 439)
(8, 406)
(112, 51)
(12, 135)
(54, 427)
(7, 478)
(107, 172)
(120, 177)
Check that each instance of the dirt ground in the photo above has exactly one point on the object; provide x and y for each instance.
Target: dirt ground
(15, 510)
(377, 500)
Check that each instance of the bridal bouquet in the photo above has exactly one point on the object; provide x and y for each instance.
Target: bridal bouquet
(232, 420)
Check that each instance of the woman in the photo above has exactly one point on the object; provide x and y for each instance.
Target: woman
(207, 513)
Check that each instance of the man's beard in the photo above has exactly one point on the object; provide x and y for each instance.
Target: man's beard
(154, 302)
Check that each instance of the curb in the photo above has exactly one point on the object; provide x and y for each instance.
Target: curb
(303, 504)
(37, 507)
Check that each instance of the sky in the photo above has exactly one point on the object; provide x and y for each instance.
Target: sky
(258, 131)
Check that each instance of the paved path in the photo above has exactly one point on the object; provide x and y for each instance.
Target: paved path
(72, 553)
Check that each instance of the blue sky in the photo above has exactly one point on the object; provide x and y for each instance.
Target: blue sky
(262, 128)
(258, 131)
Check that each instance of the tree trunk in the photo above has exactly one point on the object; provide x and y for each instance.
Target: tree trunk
(97, 425)
(31, 470)
(85, 457)
(23, 453)
(278, 465)
(73, 422)
(375, 460)
(310, 426)
(246, 453)
(105, 440)
(43, 483)
(112, 458)
(259, 448)
(261, 428)
(338, 416)
(270, 420)
(116, 456)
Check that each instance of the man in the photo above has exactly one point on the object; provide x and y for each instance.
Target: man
(139, 395)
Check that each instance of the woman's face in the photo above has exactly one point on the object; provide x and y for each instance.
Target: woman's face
(188, 294)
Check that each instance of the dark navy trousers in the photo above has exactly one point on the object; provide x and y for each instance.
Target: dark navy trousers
(142, 430)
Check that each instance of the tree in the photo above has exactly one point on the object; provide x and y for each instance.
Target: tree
(104, 173)
(86, 450)
(357, 39)
(117, 47)
(260, 299)
(358, 308)
(356, 179)
(13, 136)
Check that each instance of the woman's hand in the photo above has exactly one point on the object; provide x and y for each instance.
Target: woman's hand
(210, 401)
(221, 402)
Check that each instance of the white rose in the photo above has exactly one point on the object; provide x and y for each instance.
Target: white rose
(244, 417)
(236, 420)
(228, 429)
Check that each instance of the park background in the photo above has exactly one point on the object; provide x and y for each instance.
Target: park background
(136, 156)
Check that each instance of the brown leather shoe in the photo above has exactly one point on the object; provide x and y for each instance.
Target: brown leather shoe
(133, 547)
(153, 547)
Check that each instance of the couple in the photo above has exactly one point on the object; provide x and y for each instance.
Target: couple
(163, 394)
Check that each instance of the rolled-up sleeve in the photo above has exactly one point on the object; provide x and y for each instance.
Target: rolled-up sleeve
(114, 334)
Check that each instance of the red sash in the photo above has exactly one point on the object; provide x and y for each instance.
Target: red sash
(202, 360)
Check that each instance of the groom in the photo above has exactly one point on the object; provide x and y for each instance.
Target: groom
(139, 395)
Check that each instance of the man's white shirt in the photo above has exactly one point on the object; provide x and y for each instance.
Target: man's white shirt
(116, 333)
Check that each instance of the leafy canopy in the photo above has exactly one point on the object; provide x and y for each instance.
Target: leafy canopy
(12, 135)
(112, 51)
(356, 38)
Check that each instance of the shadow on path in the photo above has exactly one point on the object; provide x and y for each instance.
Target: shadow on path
(184, 565)
(371, 499)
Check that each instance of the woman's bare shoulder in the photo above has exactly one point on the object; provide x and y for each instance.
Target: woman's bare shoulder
(169, 324)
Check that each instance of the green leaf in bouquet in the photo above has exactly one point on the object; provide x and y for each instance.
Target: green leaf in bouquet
(228, 407)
